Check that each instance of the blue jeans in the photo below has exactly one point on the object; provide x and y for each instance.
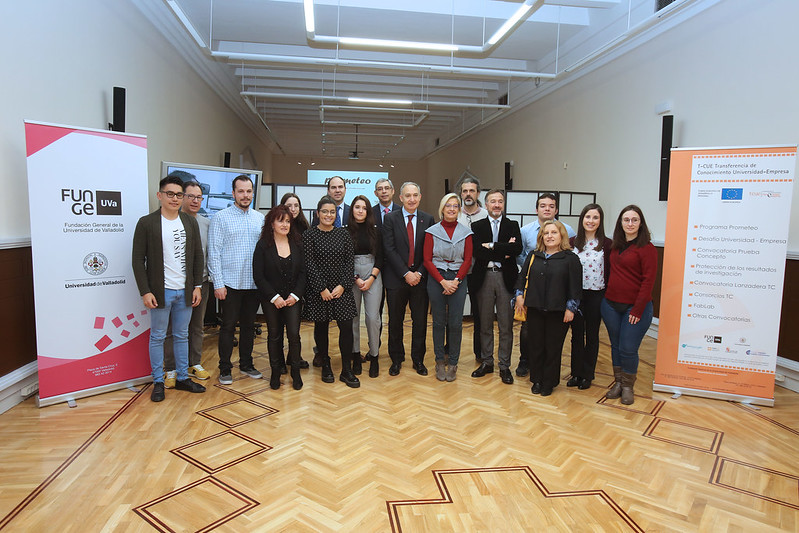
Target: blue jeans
(625, 338)
(447, 311)
(176, 308)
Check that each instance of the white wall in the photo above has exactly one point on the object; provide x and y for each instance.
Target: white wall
(730, 73)
(60, 61)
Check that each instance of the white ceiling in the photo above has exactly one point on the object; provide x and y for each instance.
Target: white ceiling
(261, 58)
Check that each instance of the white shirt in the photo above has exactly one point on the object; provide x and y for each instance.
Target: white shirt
(173, 240)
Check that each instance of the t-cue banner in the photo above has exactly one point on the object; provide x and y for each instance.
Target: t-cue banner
(723, 270)
(87, 190)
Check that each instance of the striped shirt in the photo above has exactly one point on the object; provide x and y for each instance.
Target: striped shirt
(231, 243)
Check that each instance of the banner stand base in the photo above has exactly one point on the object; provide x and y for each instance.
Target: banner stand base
(70, 397)
(768, 402)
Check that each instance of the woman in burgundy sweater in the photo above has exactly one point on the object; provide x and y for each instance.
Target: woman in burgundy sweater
(627, 307)
(447, 257)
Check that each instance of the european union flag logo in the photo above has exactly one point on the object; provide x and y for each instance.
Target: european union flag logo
(732, 194)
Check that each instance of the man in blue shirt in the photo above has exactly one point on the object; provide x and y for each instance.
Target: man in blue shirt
(546, 209)
(232, 238)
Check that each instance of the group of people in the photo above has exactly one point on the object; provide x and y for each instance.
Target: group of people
(353, 259)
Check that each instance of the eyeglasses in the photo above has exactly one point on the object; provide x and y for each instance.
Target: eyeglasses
(632, 221)
(452, 206)
(328, 212)
(193, 197)
(170, 194)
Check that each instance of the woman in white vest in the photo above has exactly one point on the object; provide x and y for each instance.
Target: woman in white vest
(447, 257)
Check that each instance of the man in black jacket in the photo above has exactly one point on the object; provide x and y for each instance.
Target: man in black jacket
(497, 242)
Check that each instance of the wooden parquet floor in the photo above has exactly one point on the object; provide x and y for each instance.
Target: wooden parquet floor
(405, 453)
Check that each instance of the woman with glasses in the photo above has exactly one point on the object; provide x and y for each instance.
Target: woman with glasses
(593, 249)
(368, 282)
(627, 306)
(329, 262)
(278, 267)
(447, 258)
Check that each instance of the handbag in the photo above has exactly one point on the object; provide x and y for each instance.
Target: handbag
(522, 315)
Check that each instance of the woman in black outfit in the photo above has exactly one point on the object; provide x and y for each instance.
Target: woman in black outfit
(278, 268)
(593, 249)
(329, 261)
(552, 296)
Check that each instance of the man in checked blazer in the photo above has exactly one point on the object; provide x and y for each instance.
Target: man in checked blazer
(405, 278)
(497, 242)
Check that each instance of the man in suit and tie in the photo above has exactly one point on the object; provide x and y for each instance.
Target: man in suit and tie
(497, 242)
(384, 191)
(405, 278)
(336, 189)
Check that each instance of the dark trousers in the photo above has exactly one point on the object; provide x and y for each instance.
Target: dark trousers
(320, 336)
(549, 332)
(585, 335)
(524, 337)
(277, 320)
(473, 303)
(239, 306)
(398, 300)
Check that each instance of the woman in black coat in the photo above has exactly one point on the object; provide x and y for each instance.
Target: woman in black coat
(278, 267)
(549, 286)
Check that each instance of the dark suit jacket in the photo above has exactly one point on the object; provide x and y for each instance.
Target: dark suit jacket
(344, 220)
(482, 233)
(397, 248)
(148, 256)
(377, 210)
(266, 270)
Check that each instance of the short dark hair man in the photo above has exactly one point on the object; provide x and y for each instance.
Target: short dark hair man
(168, 264)
(336, 189)
(232, 237)
(497, 242)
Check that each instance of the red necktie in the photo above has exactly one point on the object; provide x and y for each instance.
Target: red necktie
(410, 240)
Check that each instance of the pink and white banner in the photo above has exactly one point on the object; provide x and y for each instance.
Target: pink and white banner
(87, 189)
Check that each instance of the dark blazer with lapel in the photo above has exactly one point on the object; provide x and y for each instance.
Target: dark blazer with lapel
(377, 210)
(482, 233)
(148, 256)
(266, 270)
(397, 248)
(344, 220)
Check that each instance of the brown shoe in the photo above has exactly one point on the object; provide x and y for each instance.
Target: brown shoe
(615, 389)
(627, 383)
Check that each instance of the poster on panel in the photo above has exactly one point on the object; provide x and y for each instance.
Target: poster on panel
(87, 189)
(723, 273)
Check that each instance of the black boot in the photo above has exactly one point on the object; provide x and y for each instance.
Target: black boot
(357, 366)
(274, 379)
(346, 376)
(327, 372)
(296, 379)
(374, 366)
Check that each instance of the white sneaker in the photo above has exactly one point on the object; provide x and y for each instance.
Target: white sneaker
(199, 372)
(169, 379)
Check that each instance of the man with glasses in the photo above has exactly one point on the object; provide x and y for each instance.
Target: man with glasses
(384, 191)
(469, 188)
(168, 263)
(232, 237)
(192, 202)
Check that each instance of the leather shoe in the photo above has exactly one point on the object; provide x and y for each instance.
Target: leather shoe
(536, 389)
(158, 392)
(394, 369)
(573, 381)
(374, 366)
(327, 374)
(482, 370)
(420, 368)
(303, 364)
(349, 380)
(522, 370)
(188, 385)
(506, 376)
(584, 384)
(546, 391)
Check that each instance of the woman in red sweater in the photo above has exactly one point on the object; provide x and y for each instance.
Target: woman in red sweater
(627, 307)
(447, 257)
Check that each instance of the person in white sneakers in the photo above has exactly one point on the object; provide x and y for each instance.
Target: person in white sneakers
(192, 202)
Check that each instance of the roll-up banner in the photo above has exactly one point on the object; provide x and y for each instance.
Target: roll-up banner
(87, 190)
(723, 271)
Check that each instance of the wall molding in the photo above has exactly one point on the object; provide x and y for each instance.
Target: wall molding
(12, 384)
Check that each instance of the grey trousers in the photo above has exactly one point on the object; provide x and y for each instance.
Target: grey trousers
(492, 294)
(371, 306)
(195, 334)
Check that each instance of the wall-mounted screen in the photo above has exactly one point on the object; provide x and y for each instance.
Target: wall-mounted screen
(216, 183)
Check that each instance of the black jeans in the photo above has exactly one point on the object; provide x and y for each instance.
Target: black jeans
(239, 306)
(585, 335)
(398, 300)
(276, 320)
(548, 332)
(320, 336)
